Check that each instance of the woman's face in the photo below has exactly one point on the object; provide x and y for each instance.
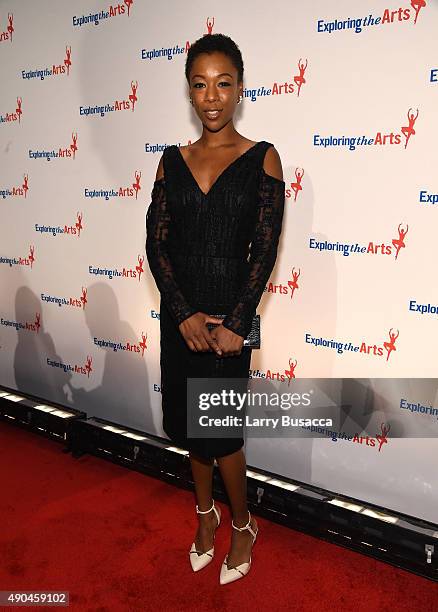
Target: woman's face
(214, 87)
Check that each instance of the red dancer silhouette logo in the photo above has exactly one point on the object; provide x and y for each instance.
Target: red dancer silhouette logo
(84, 297)
(399, 242)
(78, 223)
(142, 344)
(128, 4)
(299, 79)
(136, 185)
(74, 146)
(296, 187)
(383, 438)
(18, 109)
(31, 255)
(88, 367)
(291, 372)
(210, 25)
(67, 61)
(390, 346)
(408, 130)
(293, 284)
(37, 322)
(133, 96)
(10, 25)
(140, 268)
(417, 5)
(25, 185)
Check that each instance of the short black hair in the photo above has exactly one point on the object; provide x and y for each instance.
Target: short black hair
(210, 43)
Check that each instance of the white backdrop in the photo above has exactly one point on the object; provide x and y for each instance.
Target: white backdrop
(73, 334)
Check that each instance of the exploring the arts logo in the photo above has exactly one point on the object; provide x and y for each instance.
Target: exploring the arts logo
(66, 301)
(122, 191)
(63, 230)
(15, 115)
(125, 272)
(295, 186)
(286, 374)
(19, 260)
(68, 152)
(16, 191)
(283, 289)
(120, 104)
(85, 368)
(129, 346)
(30, 326)
(376, 442)
(379, 138)
(374, 247)
(174, 50)
(389, 16)
(114, 10)
(56, 69)
(364, 347)
(8, 32)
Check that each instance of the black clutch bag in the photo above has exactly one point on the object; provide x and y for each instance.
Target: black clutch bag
(252, 340)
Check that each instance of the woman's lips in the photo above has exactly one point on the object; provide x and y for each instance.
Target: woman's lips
(212, 114)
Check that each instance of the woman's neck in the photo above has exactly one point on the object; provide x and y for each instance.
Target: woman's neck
(227, 135)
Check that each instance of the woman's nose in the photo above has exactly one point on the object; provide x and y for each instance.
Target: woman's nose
(210, 93)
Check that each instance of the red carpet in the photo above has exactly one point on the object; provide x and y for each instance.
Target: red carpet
(118, 540)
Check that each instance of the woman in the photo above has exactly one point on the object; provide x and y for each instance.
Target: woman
(210, 200)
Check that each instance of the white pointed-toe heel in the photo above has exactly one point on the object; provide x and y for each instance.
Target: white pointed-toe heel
(199, 560)
(234, 573)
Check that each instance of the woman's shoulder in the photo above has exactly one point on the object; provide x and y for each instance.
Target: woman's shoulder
(247, 143)
(164, 161)
(169, 149)
(271, 161)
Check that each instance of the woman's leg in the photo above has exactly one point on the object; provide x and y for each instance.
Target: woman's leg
(202, 470)
(233, 471)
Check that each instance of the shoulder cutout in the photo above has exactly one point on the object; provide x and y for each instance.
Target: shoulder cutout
(272, 163)
(160, 169)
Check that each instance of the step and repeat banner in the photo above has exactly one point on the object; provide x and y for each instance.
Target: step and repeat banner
(93, 91)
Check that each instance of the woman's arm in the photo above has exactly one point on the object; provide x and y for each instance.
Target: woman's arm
(157, 231)
(264, 244)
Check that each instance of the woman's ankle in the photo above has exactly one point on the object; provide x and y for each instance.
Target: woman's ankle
(241, 520)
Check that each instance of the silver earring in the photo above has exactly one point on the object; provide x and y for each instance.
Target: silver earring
(240, 99)
(191, 101)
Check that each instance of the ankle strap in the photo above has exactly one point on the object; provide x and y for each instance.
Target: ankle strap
(246, 527)
(204, 511)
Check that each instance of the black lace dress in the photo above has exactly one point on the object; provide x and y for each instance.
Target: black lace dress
(213, 253)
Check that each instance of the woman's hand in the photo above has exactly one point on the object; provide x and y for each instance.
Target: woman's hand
(230, 343)
(199, 338)
(197, 335)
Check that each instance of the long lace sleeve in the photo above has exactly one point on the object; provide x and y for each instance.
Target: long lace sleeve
(157, 230)
(263, 253)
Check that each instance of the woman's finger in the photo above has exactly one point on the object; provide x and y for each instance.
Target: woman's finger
(213, 343)
(191, 346)
(197, 343)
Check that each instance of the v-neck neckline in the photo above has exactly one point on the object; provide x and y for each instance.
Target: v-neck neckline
(221, 174)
